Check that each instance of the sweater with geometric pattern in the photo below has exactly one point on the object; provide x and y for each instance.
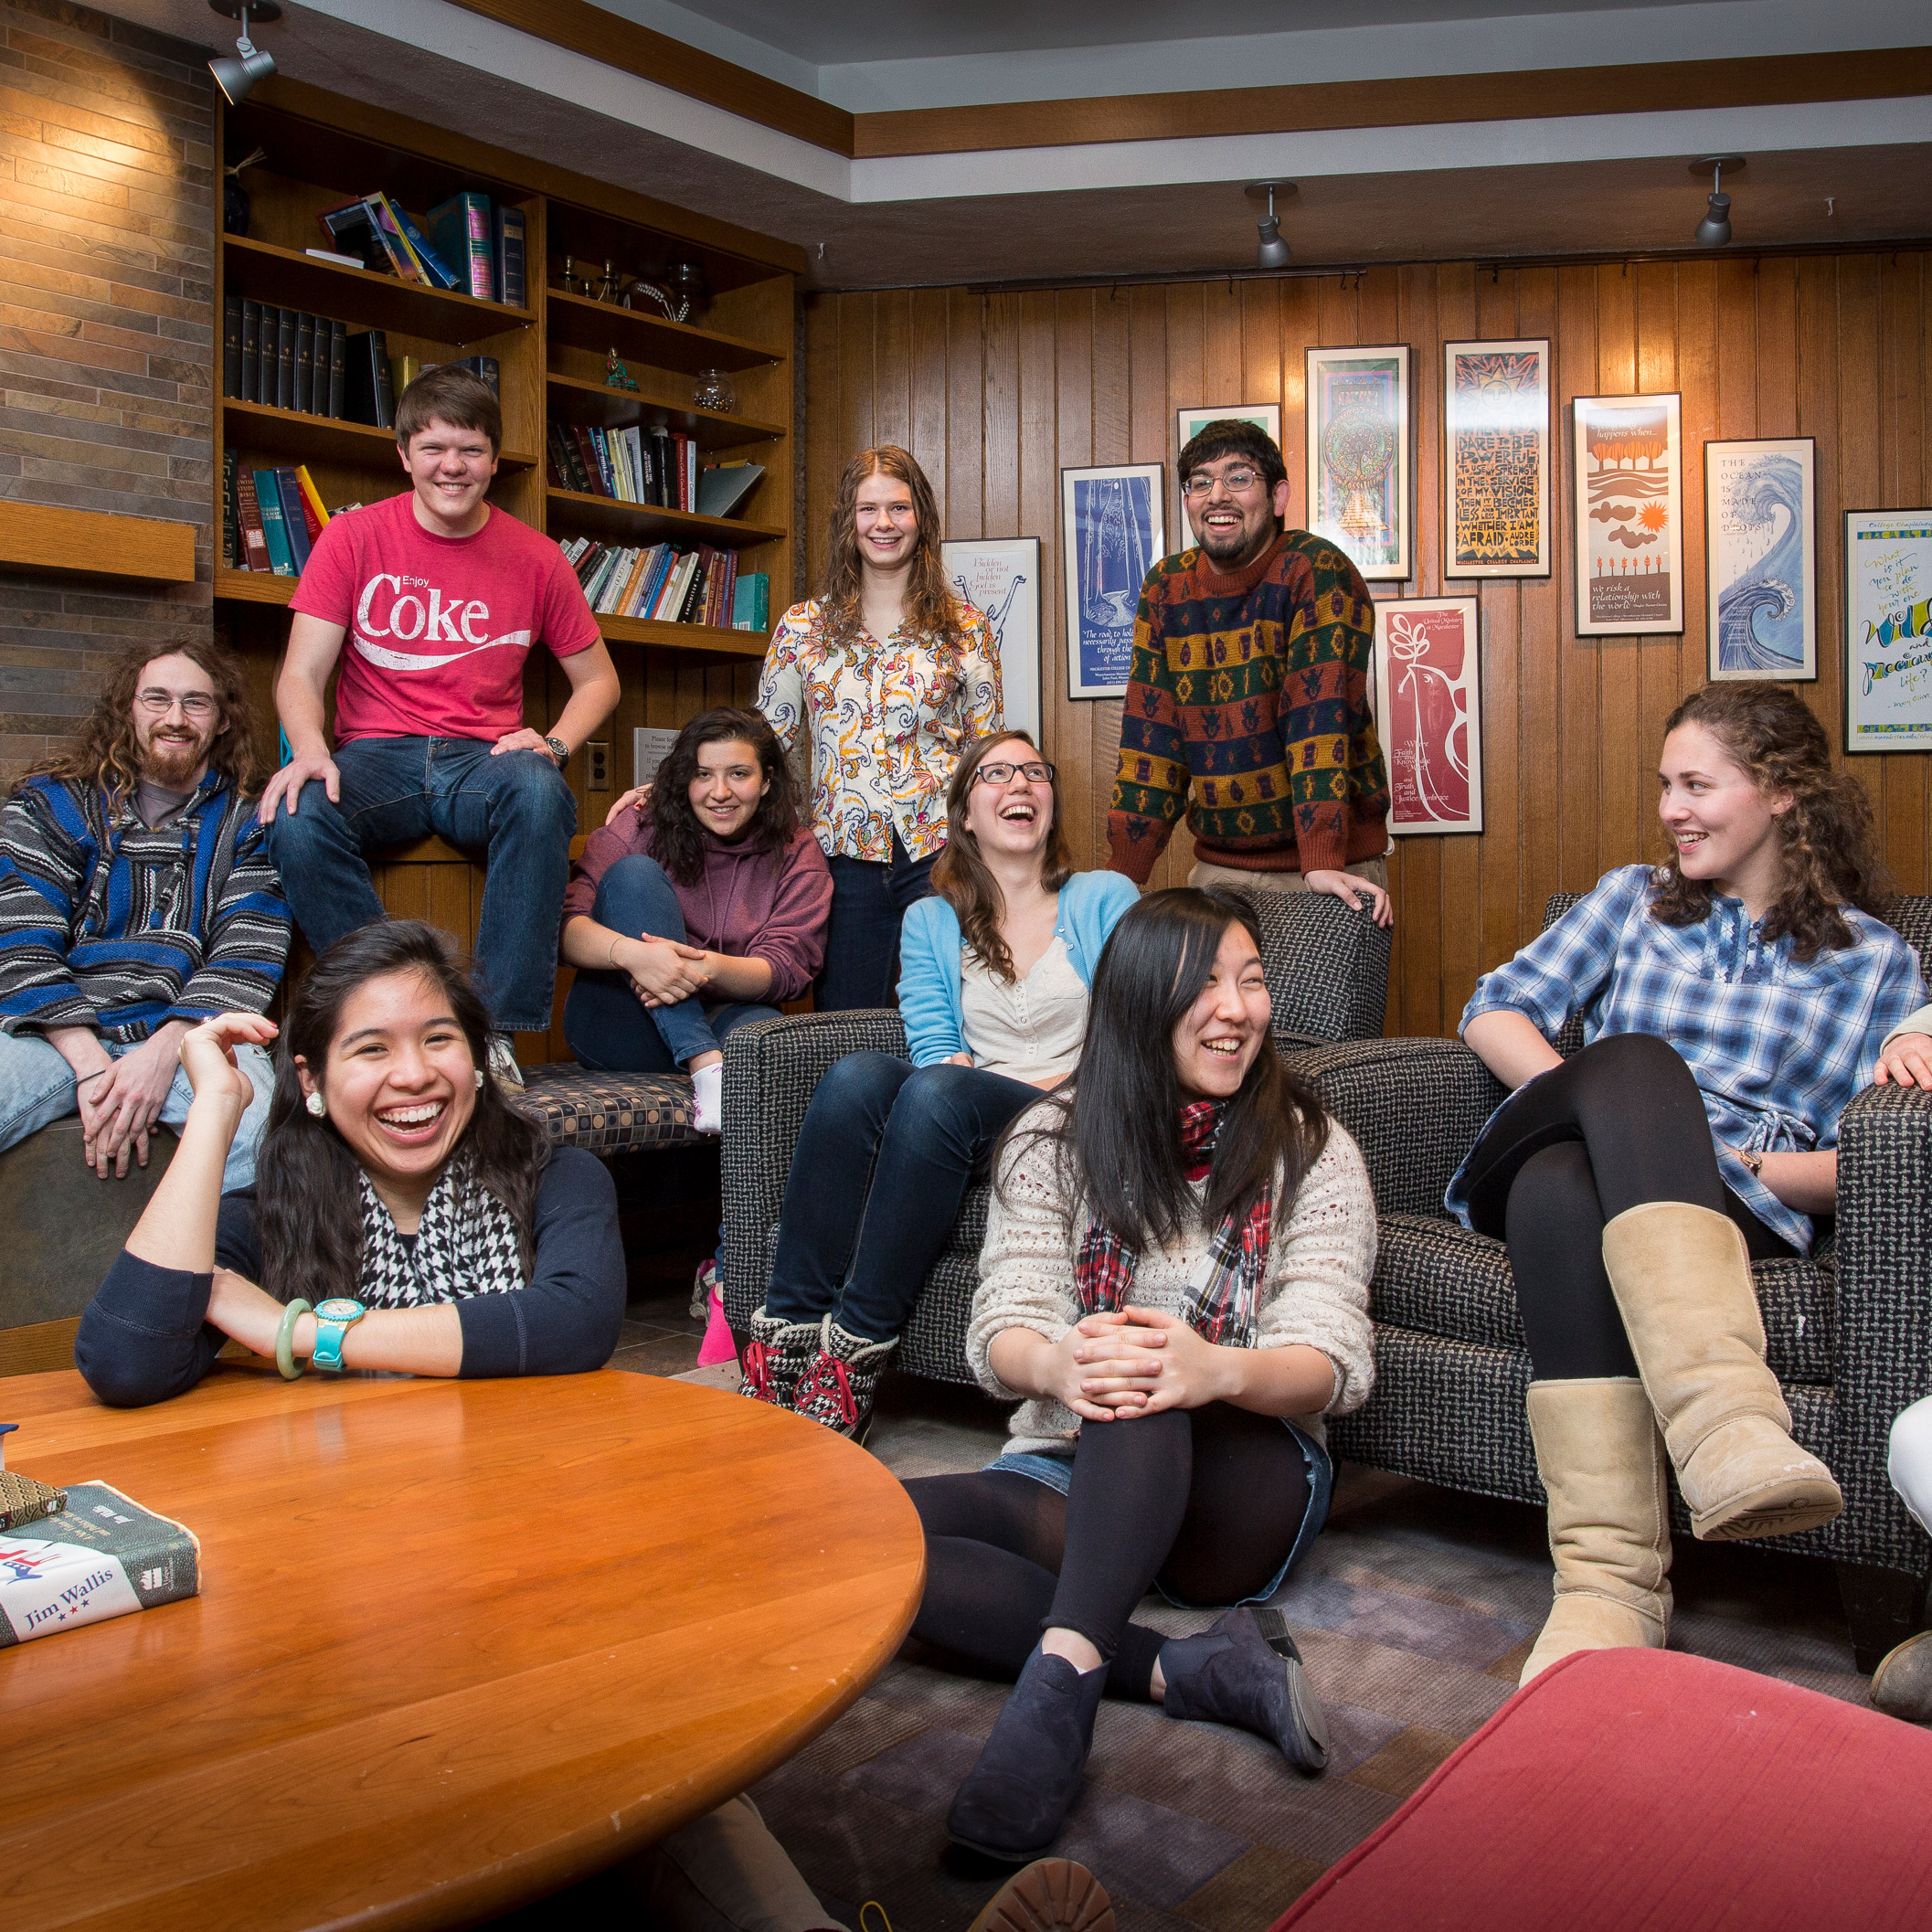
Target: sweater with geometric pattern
(111, 923)
(1253, 690)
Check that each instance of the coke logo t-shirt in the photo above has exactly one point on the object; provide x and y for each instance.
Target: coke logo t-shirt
(438, 627)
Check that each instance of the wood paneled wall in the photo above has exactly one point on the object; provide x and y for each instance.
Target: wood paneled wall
(994, 393)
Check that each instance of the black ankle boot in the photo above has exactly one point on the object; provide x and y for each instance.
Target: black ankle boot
(1248, 1672)
(1016, 1797)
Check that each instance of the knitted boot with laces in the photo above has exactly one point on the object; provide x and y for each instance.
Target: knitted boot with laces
(841, 1379)
(775, 1357)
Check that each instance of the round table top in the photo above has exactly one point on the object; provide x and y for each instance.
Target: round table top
(458, 1643)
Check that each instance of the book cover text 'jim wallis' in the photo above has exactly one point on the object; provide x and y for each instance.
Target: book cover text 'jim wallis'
(101, 1557)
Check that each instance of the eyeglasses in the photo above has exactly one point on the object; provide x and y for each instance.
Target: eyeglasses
(1237, 482)
(195, 705)
(1001, 774)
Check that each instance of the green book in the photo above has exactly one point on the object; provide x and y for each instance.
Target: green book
(275, 532)
(751, 602)
(103, 1556)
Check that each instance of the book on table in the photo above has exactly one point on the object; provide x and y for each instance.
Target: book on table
(103, 1556)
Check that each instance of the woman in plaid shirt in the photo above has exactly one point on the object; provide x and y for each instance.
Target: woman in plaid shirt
(1733, 1001)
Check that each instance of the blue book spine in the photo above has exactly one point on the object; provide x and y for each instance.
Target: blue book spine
(293, 519)
(274, 530)
(421, 242)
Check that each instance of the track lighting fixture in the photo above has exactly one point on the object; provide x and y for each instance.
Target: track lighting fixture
(238, 72)
(1714, 231)
(1270, 251)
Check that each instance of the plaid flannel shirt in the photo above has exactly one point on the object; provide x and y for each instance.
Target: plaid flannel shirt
(1777, 1047)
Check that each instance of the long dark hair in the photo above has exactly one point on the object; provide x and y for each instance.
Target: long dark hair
(1119, 1136)
(932, 614)
(308, 1202)
(960, 875)
(677, 841)
(1824, 839)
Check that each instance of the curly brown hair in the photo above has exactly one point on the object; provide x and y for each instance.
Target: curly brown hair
(105, 752)
(677, 840)
(1825, 838)
(931, 611)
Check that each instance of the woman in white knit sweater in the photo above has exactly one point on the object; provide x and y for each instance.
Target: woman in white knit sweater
(1175, 1284)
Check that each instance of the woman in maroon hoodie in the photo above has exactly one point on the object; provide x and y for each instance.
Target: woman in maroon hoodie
(696, 912)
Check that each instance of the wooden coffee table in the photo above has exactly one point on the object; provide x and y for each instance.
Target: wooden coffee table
(458, 1644)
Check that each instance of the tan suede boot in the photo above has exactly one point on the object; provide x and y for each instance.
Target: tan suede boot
(1683, 1281)
(1598, 1453)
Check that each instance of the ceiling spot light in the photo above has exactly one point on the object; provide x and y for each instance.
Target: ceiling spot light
(235, 76)
(1714, 231)
(1270, 251)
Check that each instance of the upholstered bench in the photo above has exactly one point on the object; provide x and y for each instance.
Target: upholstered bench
(609, 1113)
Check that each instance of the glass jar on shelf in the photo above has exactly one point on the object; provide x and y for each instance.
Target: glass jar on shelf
(713, 391)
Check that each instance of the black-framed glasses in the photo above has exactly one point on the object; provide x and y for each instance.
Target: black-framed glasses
(1001, 773)
(1237, 482)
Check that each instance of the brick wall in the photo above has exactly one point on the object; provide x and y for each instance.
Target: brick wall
(107, 191)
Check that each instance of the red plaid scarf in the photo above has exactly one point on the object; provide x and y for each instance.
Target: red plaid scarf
(1224, 1307)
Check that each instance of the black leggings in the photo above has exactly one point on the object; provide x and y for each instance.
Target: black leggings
(1209, 1499)
(1620, 1124)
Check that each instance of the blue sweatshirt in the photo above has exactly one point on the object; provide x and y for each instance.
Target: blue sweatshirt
(930, 944)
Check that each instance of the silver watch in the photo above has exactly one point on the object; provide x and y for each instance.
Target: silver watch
(559, 751)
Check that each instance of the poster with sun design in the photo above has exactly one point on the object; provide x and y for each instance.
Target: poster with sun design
(1629, 516)
(1428, 715)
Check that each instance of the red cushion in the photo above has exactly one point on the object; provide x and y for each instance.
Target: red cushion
(1639, 1788)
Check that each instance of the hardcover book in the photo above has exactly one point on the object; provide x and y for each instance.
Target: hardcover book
(284, 396)
(353, 229)
(103, 1556)
(368, 396)
(313, 514)
(723, 487)
(231, 345)
(382, 218)
(460, 229)
(304, 362)
(231, 551)
(319, 369)
(338, 365)
(438, 273)
(249, 387)
(248, 516)
(268, 500)
(509, 241)
(485, 366)
(294, 522)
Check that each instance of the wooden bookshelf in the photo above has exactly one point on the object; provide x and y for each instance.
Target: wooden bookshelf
(572, 514)
(602, 326)
(597, 403)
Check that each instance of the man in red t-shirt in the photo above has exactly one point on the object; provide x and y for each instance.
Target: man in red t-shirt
(441, 597)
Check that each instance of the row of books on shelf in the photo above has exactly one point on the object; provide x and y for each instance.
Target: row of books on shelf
(646, 464)
(292, 360)
(269, 517)
(467, 243)
(662, 584)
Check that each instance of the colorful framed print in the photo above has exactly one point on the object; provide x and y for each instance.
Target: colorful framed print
(1496, 469)
(1359, 457)
(1427, 712)
(1888, 630)
(1189, 423)
(1111, 535)
(1001, 574)
(1629, 516)
(1760, 536)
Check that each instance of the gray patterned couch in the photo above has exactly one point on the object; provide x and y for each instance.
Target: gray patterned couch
(1327, 971)
(1850, 1330)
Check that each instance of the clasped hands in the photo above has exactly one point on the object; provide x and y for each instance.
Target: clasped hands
(663, 971)
(1132, 1362)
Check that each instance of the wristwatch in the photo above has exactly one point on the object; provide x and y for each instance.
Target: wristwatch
(1751, 1159)
(334, 1320)
(559, 751)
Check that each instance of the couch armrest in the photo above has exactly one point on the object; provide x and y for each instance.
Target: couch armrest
(1884, 1301)
(770, 1070)
(1326, 964)
(1414, 1106)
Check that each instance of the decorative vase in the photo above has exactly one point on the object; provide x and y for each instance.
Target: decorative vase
(713, 391)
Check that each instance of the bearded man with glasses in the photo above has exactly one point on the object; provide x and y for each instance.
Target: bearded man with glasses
(1250, 690)
(137, 899)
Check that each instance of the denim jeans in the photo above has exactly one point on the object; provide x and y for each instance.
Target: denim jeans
(878, 1177)
(608, 1027)
(515, 806)
(37, 1086)
(869, 898)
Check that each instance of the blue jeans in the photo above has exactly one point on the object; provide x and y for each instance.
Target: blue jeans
(516, 806)
(869, 898)
(36, 1087)
(608, 1027)
(877, 1176)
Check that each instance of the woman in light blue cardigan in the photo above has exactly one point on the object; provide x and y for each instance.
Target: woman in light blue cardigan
(993, 980)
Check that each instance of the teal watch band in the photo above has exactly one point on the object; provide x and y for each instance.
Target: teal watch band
(334, 1320)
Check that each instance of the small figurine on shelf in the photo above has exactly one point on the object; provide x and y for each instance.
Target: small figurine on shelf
(616, 376)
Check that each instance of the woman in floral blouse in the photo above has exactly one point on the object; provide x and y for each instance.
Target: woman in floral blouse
(886, 677)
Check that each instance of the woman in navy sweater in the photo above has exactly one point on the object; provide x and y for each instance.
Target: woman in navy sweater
(403, 1218)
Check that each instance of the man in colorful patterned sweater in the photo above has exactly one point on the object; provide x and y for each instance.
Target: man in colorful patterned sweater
(137, 898)
(1251, 682)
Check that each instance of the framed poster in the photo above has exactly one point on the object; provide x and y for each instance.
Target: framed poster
(1629, 516)
(1111, 535)
(1359, 456)
(1496, 470)
(1428, 713)
(1002, 576)
(1760, 535)
(1189, 423)
(1888, 630)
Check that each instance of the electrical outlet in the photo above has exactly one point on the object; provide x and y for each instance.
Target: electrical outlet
(597, 757)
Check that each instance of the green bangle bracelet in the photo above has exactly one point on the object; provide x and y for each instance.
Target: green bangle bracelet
(285, 1339)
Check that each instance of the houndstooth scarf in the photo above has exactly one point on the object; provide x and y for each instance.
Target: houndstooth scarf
(1223, 1308)
(465, 1245)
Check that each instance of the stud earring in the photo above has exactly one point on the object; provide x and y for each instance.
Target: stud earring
(316, 1105)
(478, 1079)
